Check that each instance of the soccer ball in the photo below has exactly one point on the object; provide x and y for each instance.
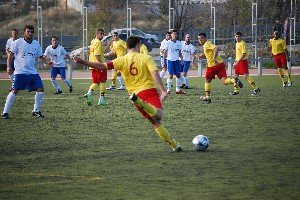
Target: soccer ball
(200, 142)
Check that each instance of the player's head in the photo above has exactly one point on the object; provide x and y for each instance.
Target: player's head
(115, 36)
(174, 35)
(276, 34)
(168, 35)
(54, 40)
(238, 36)
(187, 38)
(14, 33)
(99, 33)
(28, 32)
(133, 42)
(202, 38)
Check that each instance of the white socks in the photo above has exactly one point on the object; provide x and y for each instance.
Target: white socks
(9, 102)
(56, 85)
(178, 81)
(68, 82)
(162, 73)
(38, 101)
(121, 81)
(169, 83)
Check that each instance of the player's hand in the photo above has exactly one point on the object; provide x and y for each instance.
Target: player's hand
(77, 59)
(9, 71)
(163, 96)
(201, 56)
(51, 64)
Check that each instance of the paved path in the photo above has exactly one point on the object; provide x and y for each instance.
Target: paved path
(192, 73)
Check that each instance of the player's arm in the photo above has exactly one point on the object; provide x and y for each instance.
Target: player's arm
(95, 65)
(9, 61)
(216, 51)
(160, 85)
(46, 61)
(165, 57)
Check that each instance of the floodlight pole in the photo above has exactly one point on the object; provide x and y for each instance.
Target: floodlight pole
(128, 20)
(84, 31)
(292, 28)
(171, 12)
(129, 29)
(254, 31)
(213, 23)
(40, 25)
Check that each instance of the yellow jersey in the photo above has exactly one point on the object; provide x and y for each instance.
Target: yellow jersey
(96, 49)
(208, 50)
(143, 49)
(136, 68)
(240, 49)
(119, 47)
(277, 46)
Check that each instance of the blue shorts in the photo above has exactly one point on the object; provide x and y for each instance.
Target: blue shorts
(27, 81)
(174, 67)
(186, 66)
(58, 70)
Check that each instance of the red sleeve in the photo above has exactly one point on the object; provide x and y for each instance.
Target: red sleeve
(110, 65)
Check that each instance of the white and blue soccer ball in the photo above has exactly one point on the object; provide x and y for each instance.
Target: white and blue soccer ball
(200, 142)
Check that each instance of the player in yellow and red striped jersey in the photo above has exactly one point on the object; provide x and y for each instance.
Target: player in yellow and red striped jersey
(281, 56)
(141, 77)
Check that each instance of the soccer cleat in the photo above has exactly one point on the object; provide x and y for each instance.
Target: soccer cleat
(205, 98)
(233, 93)
(182, 86)
(88, 99)
(255, 92)
(38, 114)
(102, 102)
(111, 87)
(238, 82)
(168, 91)
(289, 84)
(180, 92)
(178, 148)
(5, 116)
(121, 87)
(70, 89)
(133, 97)
(284, 84)
(58, 92)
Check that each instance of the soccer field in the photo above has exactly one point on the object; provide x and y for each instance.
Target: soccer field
(111, 152)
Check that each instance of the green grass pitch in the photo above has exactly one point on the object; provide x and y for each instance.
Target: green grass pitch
(111, 152)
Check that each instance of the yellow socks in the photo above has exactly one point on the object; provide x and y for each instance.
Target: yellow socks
(251, 82)
(102, 88)
(165, 136)
(288, 74)
(113, 77)
(280, 72)
(207, 88)
(93, 86)
(229, 81)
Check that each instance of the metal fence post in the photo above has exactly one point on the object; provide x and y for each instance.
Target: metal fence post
(259, 66)
(200, 67)
(230, 65)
